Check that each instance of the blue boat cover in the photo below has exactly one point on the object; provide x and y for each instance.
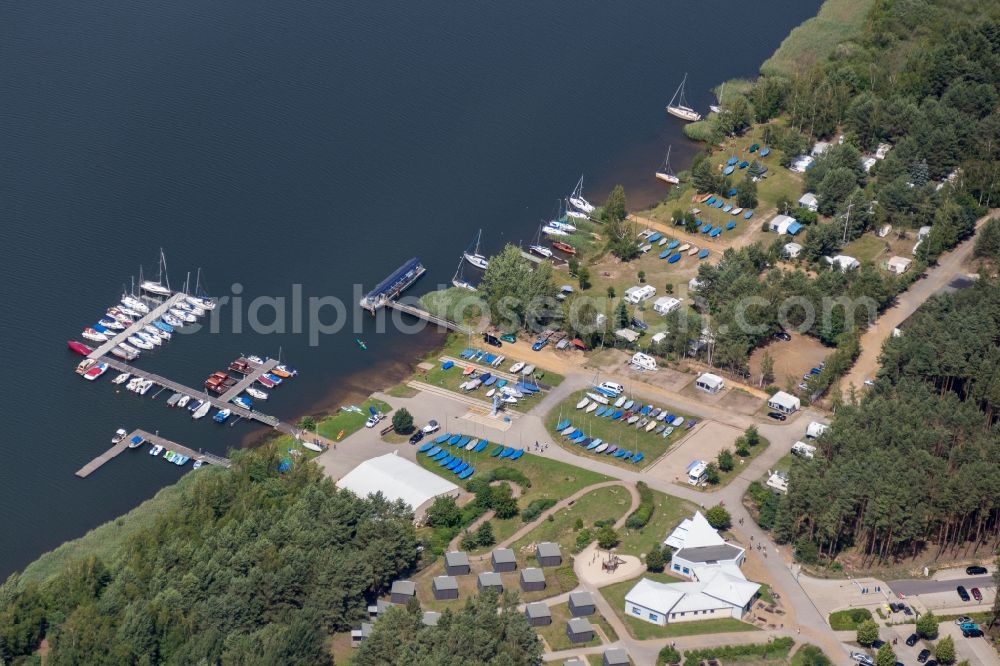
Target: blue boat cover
(517, 454)
(495, 452)
(710, 201)
(655, 237)
(446, 460)
(562, 425)
(454, 439)
(674, 259)
(715, 232)
(461, 468)
(491, 381)
(593, 445)
(637, 457)
(453, 465)
(465, 440)
(646, 410)
(575, 433)
(621, 452)
(794, 228)
(501, 383)
(434, 451)
(672, 244)
(765, 151)
(506, 452)
(617, 415)
(441, 455)
(728, 207)
(744, 164)
(705, 229)
(485, 377)
(719, 203)
(425, 447)
(703, 254)
(447, 364)
(480, 446)
(443, 438)
(489, 358)
(730, 225)
(467, 473)
(747, 215)
(732, 160)
(663, 255)
(732, 192)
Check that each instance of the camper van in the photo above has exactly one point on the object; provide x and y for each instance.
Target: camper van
(803, 449)
(643, 361)
(611, 388)
(697, 472)
(815, 429)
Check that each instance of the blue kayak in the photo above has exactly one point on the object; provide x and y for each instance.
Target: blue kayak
(747, 215)
(453, 465)
(637, 457)
(506, 453)
(444, 462)
(703, 254)
(672, 244)
(715, 232)
(441, 455)
(434, 451)
(426, 447)
(674, 259)
(454, 439)
(517, 454)
(467, 473)
(480, 446)
(730, 225)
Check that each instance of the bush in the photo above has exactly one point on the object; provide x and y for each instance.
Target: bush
(944, 651)
(846, 620)
(810, 655)
(607, 538)
(779, 647)
(535, 509)
(468, 541)
(766, 502)
(484, 535)
(867, 632)
(668, 655)
(583, 539)
(307, 423)
(508, 474)
(657, 559)
(927, 625)
(642, 514)
(718, 517)
(806, 551)
(726, 462)
(503, 502)
(402, 421)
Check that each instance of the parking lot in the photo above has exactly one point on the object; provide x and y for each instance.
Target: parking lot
(704, 443)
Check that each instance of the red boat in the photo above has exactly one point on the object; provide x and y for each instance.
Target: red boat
(565, 247)
(79, 348)
(267, 383)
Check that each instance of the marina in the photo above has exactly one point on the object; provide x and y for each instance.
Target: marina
(153, 440)
(155, 313)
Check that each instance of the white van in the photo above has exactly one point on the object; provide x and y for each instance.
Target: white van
(611, 387)
(803, 449)
(815, 429)
(697, 471)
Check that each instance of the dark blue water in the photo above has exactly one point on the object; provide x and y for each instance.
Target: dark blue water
(303, 142)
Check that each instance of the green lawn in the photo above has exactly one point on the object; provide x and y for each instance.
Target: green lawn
(549, 478)
(402, 391)
(641, 630)
(848, 620)
(555, 633)
(616, 432)
(609, 503)
(668, 513)
(726, 477)
(349, 422)
(456, 344)
(867, 248)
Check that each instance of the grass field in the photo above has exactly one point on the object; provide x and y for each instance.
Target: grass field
(668, 513)
(555, 634)
(456, 343)
(814, 40)
(848, 620)
(598, 505)
(349, 422)
(726, 477)
(617, 432)
(641, 630)
(549, 479)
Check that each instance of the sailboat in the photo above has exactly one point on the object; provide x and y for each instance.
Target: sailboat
(458, 280)
(717, 108)
(577, 201)
(538, 248)
(665, 172)
(474, 258)
(678, 104)
(574, 213)
(157, 288)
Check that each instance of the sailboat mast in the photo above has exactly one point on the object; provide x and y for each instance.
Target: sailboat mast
(197, 282)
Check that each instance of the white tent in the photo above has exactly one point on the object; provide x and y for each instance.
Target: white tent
(710, 383)
(396, 478)
(784, 402)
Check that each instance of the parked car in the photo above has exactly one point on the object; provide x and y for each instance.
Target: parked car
(803, 386)
(912, 639)
(372, 421)
(777, 416)
(815, 371)
(975, 570)
(492, 340)
(432, 426)
(781, 335)
(862, 659)
(640, 324)
(509, 337)
(964, 619)
(907, 610)
(976, 594)
(877, 643)
(962, 593)
(922, 657)
(932, 662)
(539, 344)
(972, 633)
(416, 437)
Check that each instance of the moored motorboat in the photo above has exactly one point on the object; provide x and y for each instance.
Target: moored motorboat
(157, 332)
(174, 399)
(197, 463)
(274, 378)
(121, 378)
(284, 367)
(135, 304)
(136, 442)
(124, 355)
(222, 415)
(541, 251)
(243, 402)
(185, 399)
(202, 410)
(564, 247)
(264, 381)
(112, 323)
(156, 450)
(124, 309)
(284, 374)
(172, 321)
(119, 435)
(146, 385)
(96, 371)
(256, 393)
(255, 360)
(136, 341)
(93, 335)
(183, 316)
(128, 349)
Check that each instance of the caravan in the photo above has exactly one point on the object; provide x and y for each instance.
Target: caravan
(643, 361)
(803, 449)
(697, 471)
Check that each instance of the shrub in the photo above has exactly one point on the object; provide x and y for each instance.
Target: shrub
(583, 539)
(726, 462)
(806, 551)
(657, 559)
(402, 421)
(508, 474)
(668, 655)
(779, 647)
(536, 508)
(484, 535)
(718, 517)
(644, 512)
(867, 632)
(712, 474)
(849, 619)
(927, 625)
(607, 537)
(944, 651)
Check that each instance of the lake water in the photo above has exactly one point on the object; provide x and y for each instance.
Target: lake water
(306, 142)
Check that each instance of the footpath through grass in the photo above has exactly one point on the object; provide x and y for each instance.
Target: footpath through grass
(604, 504)
(629, 437)
(668, 512)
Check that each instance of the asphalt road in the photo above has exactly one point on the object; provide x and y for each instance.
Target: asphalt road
(911, 587)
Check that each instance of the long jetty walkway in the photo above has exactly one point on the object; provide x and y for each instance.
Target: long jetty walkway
(428, 317)
(217, 401)
(245, 383)
(153, 440)
(153, 315)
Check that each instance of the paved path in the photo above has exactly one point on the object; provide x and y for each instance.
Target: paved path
(917, 586)
(949, 266)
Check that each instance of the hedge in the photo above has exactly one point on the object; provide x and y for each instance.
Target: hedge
(644, 512)
(536, 508)
(779, 647)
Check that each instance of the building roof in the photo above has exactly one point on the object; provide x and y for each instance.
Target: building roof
(616, 657)
(548, 549)
(709, 379)
(581, 598)
(792, 248)
(538, 609)
(456, 558)
(785, 400)
(626, 334)
(445, 583)
(694, 532)
(490, 579)
(574, 662)
(403, 587)
(735, 590)
(722, 587)
(666, 302)
(579, 625)
(532, 575)
(658, 597)
(808, 199)
(900, 261)
(844, 262)
(723, 552)
(397, 479)
(431, 618)
(504, 555)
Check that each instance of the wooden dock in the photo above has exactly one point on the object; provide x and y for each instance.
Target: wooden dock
(201, 394)
(153, 315)
(428, 317)
(247, 381)
(150, 439)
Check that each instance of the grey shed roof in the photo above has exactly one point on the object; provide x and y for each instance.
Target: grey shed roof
(709, 553)
(574, 662)
(578, 625)
(504, 555)
(456, 558)
(549, 549)
(532, 575)
(489, 579)
(382, 605)
(445, 583)
(581, 598)
(431, 618)
(616, 657)
(538, 609)
(403, 587)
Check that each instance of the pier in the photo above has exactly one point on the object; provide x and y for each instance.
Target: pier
(219, 402)
(149, 438)
(154, 314)
(248, 381)
(428, 317)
